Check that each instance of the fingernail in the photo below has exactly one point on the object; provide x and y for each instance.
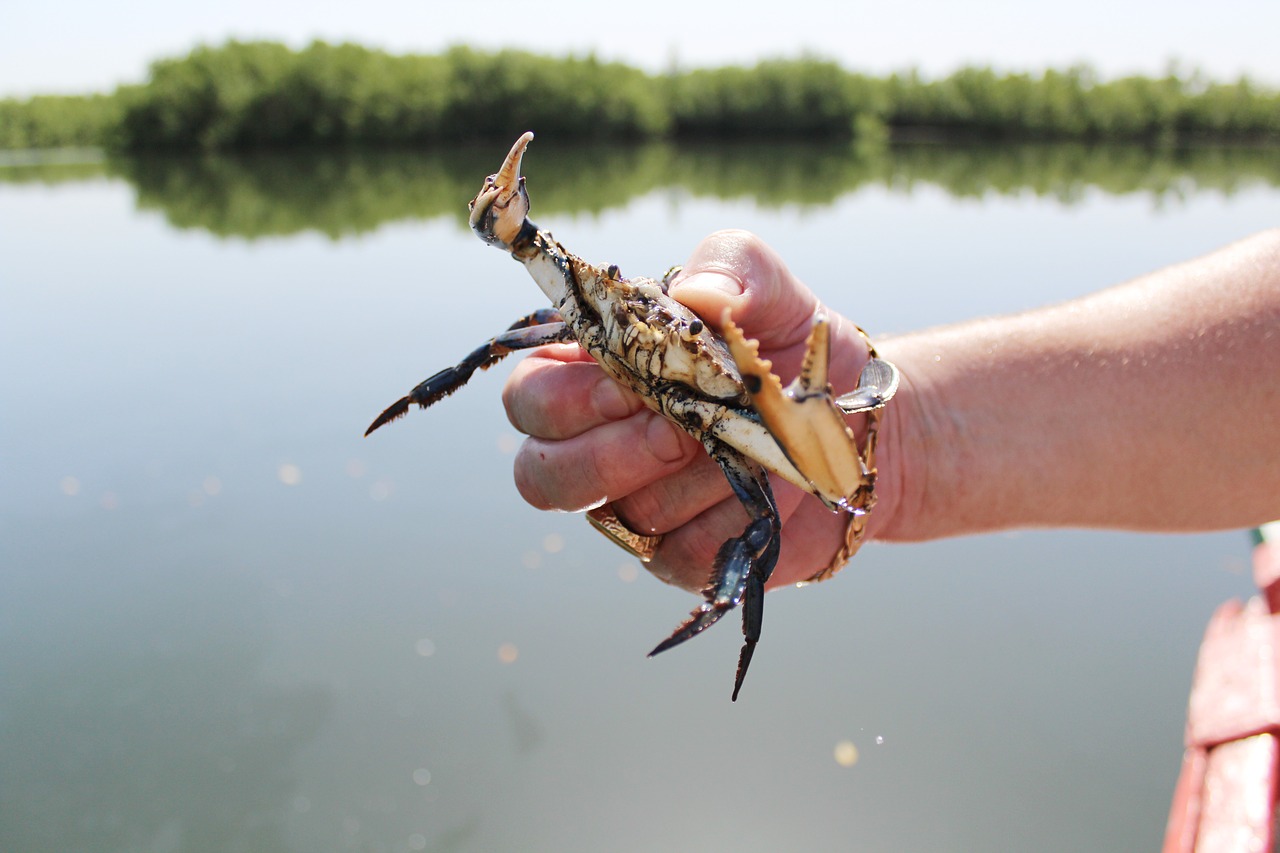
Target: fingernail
(712, 280)
(664, 439)
(611, 400)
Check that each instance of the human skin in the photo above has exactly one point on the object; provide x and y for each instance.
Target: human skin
(1153, 405)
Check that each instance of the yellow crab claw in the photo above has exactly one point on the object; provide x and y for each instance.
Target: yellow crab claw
(803, 418)
(498, 211)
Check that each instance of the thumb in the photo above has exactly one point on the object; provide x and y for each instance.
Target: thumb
(739, 271)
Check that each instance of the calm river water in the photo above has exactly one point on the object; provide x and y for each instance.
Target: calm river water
(230, 623)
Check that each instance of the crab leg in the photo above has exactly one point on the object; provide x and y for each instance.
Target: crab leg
(543, 326)
(742, 565)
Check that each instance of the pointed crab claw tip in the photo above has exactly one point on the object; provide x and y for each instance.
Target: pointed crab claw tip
(509, 174)
(498, 211)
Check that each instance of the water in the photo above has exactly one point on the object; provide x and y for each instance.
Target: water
(228, 622)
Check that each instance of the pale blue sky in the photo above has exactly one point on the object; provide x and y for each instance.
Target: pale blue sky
(80, 46)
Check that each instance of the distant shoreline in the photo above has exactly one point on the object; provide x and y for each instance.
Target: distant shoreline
(255, 95)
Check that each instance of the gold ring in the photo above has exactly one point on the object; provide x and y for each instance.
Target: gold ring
(604, 519)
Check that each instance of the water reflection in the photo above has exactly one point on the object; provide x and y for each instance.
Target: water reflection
(347, 192)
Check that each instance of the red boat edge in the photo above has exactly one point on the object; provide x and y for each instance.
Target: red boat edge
(1225, 799)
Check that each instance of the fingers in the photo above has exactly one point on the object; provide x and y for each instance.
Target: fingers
(613, 459)
(592, 440)
(555, 398)
(670, 502)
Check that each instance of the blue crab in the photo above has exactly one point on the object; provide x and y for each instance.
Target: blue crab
(714, 386)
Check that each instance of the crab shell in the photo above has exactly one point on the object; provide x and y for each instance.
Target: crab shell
(713, 387)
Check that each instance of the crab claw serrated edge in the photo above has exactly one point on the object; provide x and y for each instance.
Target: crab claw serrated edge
(802, 418)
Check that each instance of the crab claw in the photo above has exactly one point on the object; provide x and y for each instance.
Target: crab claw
(803, 418)
(498, 211)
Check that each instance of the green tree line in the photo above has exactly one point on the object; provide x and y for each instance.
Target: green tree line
(263, 94)
(59, 121)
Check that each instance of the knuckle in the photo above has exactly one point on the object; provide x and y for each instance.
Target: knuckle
(555, 400)
(627, 454)
(609, 401)
(665, 442)
(603, 464)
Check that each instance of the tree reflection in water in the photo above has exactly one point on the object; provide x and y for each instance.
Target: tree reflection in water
(354, 191)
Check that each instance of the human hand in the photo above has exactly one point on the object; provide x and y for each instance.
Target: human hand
(590, 440)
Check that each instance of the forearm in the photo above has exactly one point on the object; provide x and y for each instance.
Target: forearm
(1154, 405)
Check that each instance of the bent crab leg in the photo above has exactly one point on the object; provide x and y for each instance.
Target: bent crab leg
(542, 327)
(742, 565)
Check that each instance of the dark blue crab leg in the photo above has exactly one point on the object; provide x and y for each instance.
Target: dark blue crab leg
(543, 326)
(742, 565)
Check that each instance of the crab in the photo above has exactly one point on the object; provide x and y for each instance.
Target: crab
(714, 386)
